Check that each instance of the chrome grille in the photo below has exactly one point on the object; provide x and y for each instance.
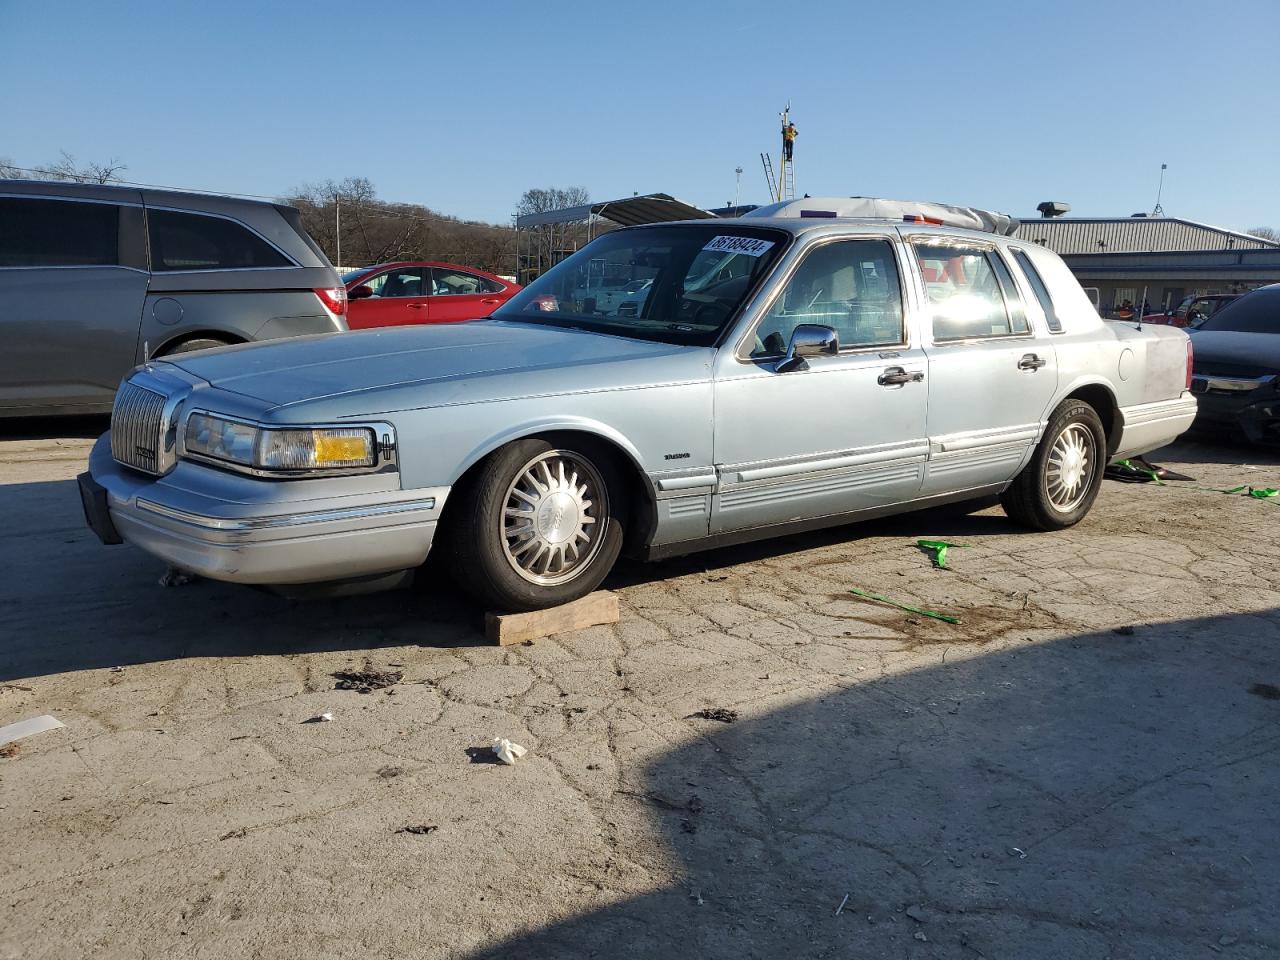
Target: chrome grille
(137, 426)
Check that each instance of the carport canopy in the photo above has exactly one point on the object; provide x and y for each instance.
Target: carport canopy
(627, 212)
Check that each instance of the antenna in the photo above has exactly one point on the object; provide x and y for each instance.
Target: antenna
(1159, 210)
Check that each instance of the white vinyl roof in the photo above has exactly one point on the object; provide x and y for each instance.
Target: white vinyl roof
(898, 211)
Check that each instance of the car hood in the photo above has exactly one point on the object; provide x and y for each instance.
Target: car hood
(1261, 350)
(394, 368)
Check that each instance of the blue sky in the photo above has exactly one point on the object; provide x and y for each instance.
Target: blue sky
(463, 106)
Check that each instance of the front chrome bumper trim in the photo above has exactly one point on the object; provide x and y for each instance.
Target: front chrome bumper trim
(289, 520)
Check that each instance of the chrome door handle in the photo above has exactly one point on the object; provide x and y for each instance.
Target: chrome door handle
(1031, 362)
(897, 376)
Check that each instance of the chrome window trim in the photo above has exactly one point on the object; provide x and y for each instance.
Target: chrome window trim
(82, 266)
(743, 355)
(291, 265)
(386, 447)
(250, 524)
(9, 195)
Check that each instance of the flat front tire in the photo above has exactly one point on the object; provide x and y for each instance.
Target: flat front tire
(539, 526)
(1056, 489)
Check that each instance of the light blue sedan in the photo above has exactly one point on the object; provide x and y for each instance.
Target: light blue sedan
(804, 367)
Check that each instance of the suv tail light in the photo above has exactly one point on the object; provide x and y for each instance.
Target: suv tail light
(334, 299)
(1190, 361)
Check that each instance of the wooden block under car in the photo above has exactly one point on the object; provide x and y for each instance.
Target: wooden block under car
(504, 629)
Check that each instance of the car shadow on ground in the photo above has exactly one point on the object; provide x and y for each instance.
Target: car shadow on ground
(88, 427)
(1102, 795)
(77, 605)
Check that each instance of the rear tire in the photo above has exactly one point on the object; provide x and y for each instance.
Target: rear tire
(197, 343)
(1056, 489)
(539, 526)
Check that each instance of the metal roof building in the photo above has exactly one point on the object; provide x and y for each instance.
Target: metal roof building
(1167, 257)
(1078, 235)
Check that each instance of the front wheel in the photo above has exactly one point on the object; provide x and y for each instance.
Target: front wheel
(538, 528)
(1057, 488)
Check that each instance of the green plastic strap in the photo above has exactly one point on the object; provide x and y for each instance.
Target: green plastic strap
(1143, 470)
(902, 606)
(1258, 493)
(940, 548)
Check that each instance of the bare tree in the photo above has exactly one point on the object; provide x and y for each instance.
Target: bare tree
(376, 231)
(66, 168)
(550, 243)
(1266, 233)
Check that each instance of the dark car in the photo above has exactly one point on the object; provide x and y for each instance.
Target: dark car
(1236, 373)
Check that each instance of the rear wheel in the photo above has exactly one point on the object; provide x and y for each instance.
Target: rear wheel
(538, 528)
(1057, 488)
(197, 343)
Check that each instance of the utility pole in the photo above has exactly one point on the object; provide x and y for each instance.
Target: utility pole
(337, 227)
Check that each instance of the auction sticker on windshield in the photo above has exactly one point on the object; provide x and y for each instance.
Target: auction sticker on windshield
(751, 246)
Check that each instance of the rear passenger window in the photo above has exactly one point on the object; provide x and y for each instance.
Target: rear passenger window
(191, 241)
(58, 233)
(1040, 290)
(971, 293)
(449, 282)
(850, 286)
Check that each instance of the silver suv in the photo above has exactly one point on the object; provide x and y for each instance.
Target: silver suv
(97, 279)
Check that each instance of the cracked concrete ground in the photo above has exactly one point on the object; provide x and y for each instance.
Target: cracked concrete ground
(1027, 783)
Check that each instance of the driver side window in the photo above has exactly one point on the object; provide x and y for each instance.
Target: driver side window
(850, 286)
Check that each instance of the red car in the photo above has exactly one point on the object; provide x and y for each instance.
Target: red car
(418, 291)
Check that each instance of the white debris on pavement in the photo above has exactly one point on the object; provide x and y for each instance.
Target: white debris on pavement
(506, 751)
(28, 728)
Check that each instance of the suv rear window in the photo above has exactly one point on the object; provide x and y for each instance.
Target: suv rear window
(1040, 290)
(58, 233)
(191, 241)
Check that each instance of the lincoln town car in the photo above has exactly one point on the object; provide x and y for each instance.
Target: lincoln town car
(817, 362)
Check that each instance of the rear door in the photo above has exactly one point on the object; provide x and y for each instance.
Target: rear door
(462, 296)
(991, 376)
(72, 285)
(401, 295)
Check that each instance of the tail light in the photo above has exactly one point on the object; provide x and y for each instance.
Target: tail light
(1190, 361)
(334, 299)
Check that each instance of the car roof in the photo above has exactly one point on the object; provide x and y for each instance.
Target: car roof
(797, 226)
(124, 193)
(423, 263)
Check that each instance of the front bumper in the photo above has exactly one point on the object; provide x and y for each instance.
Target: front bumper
(1239, 407)
(254, 531)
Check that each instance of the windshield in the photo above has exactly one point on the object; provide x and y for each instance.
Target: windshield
(355, 274)
(1259, 312)
(676, 283)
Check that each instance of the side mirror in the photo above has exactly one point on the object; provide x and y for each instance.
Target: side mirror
(807, 340)
(361, 292)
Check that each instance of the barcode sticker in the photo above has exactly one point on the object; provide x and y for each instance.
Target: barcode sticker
(750, 246)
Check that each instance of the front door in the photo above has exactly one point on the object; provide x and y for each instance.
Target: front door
(848, 432)
(399, 296)
(991, 376)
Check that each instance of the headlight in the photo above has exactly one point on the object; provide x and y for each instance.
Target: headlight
(280, 450)
(314, 449)
(221, 439)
